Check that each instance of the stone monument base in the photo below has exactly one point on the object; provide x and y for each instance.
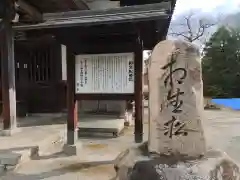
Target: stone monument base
(214, 165)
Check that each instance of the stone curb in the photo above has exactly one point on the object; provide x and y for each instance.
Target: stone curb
(14, 160)
(121, 156)
(42, 146)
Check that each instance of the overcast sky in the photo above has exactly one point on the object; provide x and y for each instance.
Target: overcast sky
(207, 5)
(218, 6)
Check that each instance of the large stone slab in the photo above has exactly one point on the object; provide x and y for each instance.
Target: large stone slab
(101, 125)
(215, 165)
(176, 99)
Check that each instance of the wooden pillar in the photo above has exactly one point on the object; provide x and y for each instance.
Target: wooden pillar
(72, 119)
(138, 97)
(8, 71)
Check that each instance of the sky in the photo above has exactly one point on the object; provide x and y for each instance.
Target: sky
(218, 6)
(207, 5)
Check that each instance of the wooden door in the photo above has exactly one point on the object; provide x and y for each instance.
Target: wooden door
(43, 71)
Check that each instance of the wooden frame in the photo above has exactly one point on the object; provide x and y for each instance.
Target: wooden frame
(104, 97)
(137, 48)
(138, 95)
(134, 17)
(72, 117)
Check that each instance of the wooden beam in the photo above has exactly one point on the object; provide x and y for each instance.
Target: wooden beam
(138, 95)
(8, 71)
(138, 9)
(29, 11)
(110, 97)
(72, 119)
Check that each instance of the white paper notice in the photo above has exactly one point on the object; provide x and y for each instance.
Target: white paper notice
(105, 73)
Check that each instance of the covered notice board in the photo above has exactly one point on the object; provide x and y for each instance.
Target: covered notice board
(105, 73)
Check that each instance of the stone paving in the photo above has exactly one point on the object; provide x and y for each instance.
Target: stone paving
(222, 130)
(21, 145)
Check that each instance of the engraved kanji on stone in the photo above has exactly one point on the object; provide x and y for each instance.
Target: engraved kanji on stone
(174, 127)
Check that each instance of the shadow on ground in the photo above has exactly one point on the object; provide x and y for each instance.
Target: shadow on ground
(56, 173)
(51, 156)
(33, 121)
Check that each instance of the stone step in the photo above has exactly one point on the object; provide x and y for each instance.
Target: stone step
(10, 158)
(9, 161)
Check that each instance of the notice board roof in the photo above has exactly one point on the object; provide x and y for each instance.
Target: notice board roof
(96, 17)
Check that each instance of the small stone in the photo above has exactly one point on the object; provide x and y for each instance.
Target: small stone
(34, 152)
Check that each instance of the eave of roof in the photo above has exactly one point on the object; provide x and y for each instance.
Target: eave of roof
(50, 6)
(109, 16)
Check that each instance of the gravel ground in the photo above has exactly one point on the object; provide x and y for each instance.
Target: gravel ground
(222, 129)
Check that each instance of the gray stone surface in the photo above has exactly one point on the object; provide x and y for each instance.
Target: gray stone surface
(72, 136)
(26, 143)
(2, 169)
(215, 165)
(9, 158)
(176, 99)
(70, 150)
(9, 132)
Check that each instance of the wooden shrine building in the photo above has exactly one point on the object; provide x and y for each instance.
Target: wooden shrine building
(121, 32)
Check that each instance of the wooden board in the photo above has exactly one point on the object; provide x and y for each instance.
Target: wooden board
(105, 73)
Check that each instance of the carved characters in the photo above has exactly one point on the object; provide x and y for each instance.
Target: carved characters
(174, 127)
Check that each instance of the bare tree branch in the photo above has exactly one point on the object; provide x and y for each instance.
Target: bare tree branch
(188, 23)
(193, 29)
(180, 34)
(201, 30)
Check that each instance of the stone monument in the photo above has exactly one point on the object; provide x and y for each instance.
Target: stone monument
(176, 147)
(176, 99)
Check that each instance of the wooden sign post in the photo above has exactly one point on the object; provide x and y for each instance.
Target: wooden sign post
(138, 91)
(105, 76)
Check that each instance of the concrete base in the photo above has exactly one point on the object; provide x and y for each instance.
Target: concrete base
(139, 138)
(72, 136)
(9, 132)
(70, 150)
